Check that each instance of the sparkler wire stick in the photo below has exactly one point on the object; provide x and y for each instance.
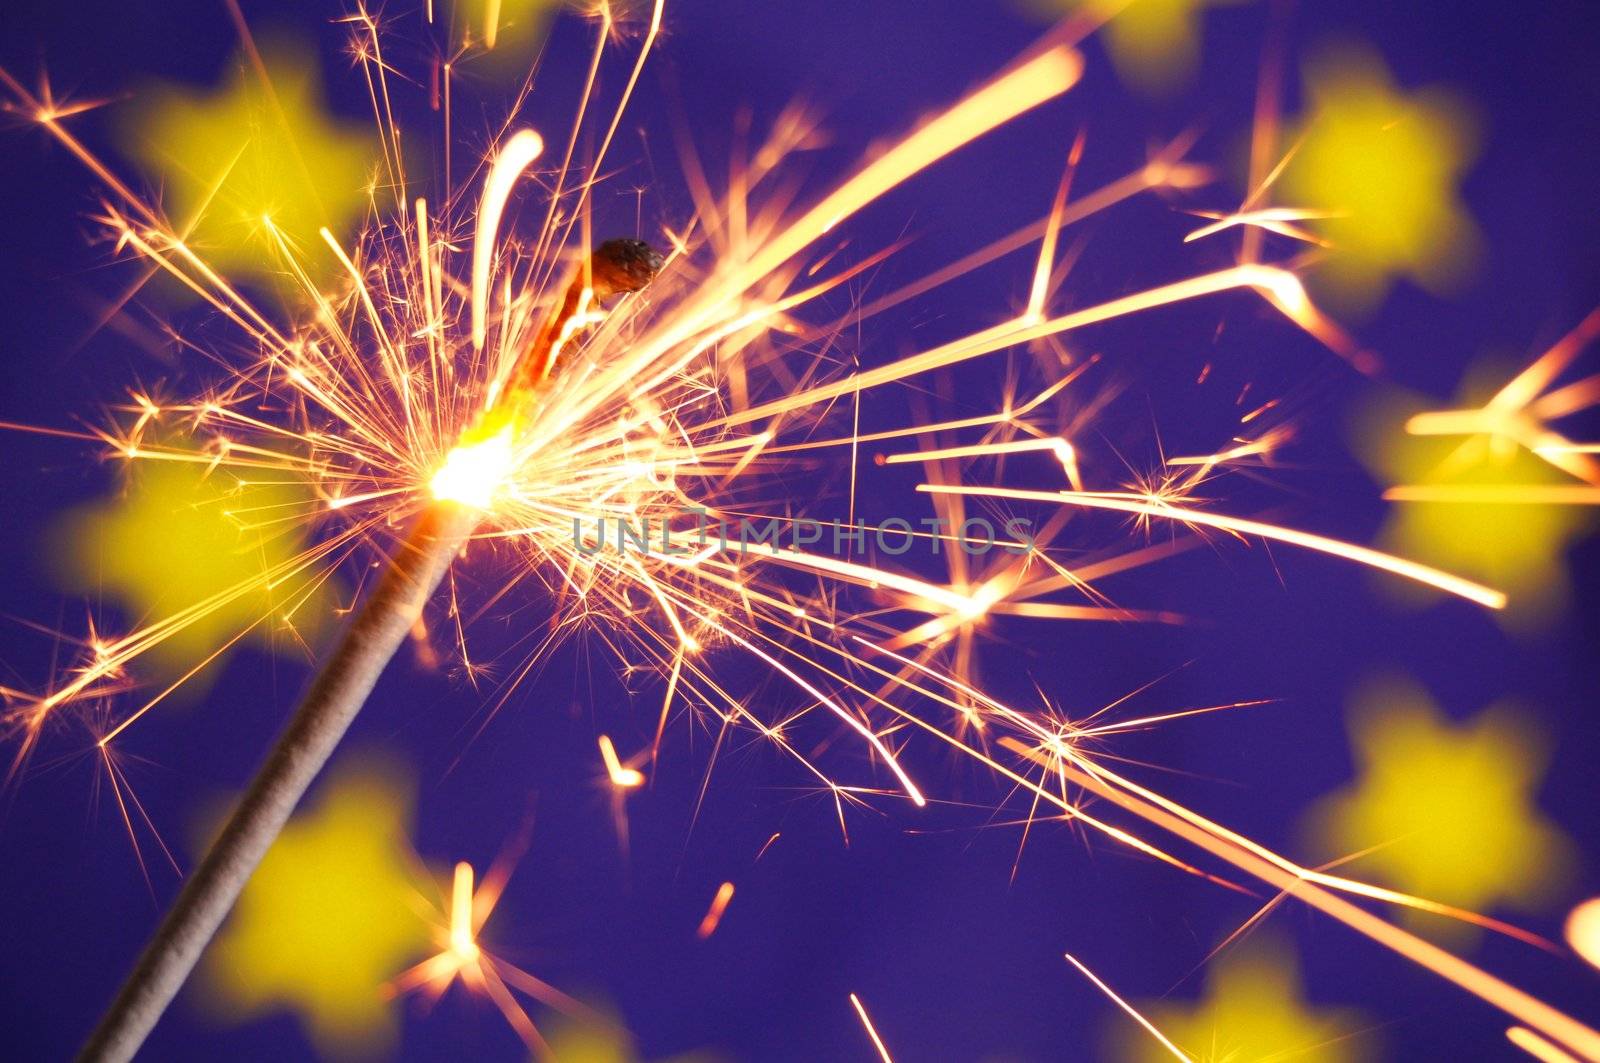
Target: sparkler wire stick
(342, 686)
(337, 694)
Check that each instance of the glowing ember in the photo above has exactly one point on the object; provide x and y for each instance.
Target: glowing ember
(474, 473)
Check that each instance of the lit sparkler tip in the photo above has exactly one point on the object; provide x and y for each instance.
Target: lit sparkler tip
(1538, 1047)
(474, 473)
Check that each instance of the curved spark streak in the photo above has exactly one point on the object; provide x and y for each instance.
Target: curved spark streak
(1148, 507)
(1132, 1012)
(514, 157)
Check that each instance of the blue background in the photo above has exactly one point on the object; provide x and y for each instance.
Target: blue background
(919, 913)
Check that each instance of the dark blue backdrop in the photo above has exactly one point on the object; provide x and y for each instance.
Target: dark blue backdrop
(919, 914)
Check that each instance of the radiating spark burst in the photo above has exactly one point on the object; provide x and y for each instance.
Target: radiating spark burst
(461, 356)
(462, 958)
(1524, 414)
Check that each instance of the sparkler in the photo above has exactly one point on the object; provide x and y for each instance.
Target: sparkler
(463, 487)
(500, 397)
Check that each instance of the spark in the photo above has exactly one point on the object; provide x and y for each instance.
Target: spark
(1278, 220)
(1499, 494)
(713, 917)
(872, 1032)
(622, 777)
(509, 163)
(1583, 930)
(1522, 414)
(1132, 1012)
(1537, 1046)
(1152, 506)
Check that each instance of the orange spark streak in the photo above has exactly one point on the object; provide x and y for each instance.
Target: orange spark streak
(866, 1020)
(1133, 1012)
(1537, 1046)
(509, 163)
(462, 941)
(1054, 445)
(1583, 930)
(1499, 494)
(463, 959)
(1041, 78)
(623, 778)
(1298, 882)
(713, 917)
(1152, 507)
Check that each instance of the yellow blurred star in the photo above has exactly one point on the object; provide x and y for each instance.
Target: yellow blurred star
(234, 159)
(178, 538)
(1155, 44)
(577, 1042)
(1385, 166)
(574, 1041)
(328, 918)
(510, 27)
(1251, 1012)
(1446, 809)
(1517, 546)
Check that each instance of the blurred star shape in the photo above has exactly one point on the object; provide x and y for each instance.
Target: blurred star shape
(262, 147)
(1251, 1010)
(329, 917)
(1155, 44)
(511, 27)
(177, 537)
(1384, 166)
(1518, 547)
(575, 1041)
(1441, 809)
